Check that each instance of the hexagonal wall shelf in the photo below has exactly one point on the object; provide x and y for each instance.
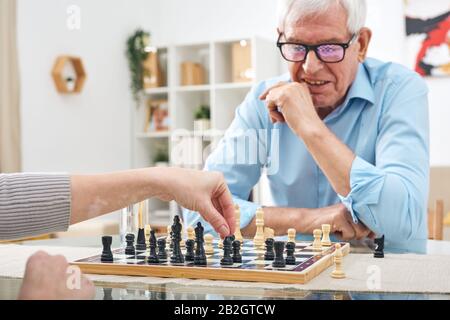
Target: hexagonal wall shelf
(68, 74)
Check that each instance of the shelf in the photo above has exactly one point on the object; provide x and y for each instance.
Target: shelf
(161, 90)
(219, 88)
(203, 87)
(156, 135)
(207, 133)
(65, 68)
(238, 85)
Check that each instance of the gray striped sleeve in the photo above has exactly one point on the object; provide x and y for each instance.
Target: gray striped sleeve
(32, 204)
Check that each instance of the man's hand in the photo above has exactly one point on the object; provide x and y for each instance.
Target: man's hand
(337, 216)
(291, 103)
(202, 191)
(47, 278)
(340, 220)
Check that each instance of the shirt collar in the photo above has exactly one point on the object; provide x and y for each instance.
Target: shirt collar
(361, 87)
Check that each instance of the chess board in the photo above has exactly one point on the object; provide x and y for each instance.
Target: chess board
(253, 268)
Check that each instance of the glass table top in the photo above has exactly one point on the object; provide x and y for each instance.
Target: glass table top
(9, 288)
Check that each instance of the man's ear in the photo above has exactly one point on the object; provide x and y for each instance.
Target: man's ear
(365, 34)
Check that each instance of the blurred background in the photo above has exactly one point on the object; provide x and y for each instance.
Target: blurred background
(96, 86)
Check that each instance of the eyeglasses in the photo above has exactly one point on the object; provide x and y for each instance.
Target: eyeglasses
(327, 52)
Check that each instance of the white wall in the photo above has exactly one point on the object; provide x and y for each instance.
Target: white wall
(91, 132)
(385, 18)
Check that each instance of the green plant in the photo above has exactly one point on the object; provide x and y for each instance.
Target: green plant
(162, 155)
(203, 112)
(137, 52)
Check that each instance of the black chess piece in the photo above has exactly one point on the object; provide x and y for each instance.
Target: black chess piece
(237, 257)
(177, 255)
(269, 254)
(153, 257)
(200, 256)
(162, 254)
(107, 294)
(226, 260)
(290, 251)
(107, 255)
(129, 250)
(279, 259)
(379, 249)
(140, 242)
(189, 256)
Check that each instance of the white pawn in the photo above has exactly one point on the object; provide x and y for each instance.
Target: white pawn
(326, 235)
(291, 235)
(209, 243)
(317, 245)
(169, 238)
(190, 233)
(220, 243)
(269, 233)
(147, 234)
(338, 273)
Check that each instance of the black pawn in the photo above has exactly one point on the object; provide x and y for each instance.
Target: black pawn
(237, 257)
(107, 294)
(379, 250)
(269, 254)
(153, 257)
(107, 255)
(177, 255)
(140, 242)
(279, 259)
(129, 250)
(200, 256)
(290, 251)
(226, 260)
(162, 254)
(189, 256)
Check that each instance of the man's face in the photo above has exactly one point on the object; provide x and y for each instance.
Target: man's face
(330, 27)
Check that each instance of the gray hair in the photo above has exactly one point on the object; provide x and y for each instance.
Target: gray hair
(295, 10)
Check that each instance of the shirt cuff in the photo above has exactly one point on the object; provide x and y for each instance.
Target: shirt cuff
(366, 183)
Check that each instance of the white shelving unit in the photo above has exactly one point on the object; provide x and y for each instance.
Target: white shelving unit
(219, 92)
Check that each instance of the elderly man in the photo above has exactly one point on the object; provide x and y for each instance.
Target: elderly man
(350, 134)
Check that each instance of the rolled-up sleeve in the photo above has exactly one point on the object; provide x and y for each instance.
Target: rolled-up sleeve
(240, 156)
(390, 195)
(33, 204)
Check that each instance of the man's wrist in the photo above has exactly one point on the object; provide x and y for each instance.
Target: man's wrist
(299, 219)
(312, 132)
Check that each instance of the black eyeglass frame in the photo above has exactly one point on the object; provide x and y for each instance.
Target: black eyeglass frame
(308, 48)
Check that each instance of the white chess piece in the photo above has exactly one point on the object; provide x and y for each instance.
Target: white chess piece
(169, 238)
(237, 232)
(208, 243)
(338, 272)
(317, 245)
(291, 235)
(147, 234)
(326, 235)
(190, 233)
(258, 240)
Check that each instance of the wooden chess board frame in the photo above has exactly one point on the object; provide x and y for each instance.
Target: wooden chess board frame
(298, 274)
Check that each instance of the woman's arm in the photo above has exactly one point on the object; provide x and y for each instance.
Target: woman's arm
(32, 204)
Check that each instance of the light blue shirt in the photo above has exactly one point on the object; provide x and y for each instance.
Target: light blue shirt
(383, 120)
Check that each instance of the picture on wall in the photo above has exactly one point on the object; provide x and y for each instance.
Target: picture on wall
(428, 36)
